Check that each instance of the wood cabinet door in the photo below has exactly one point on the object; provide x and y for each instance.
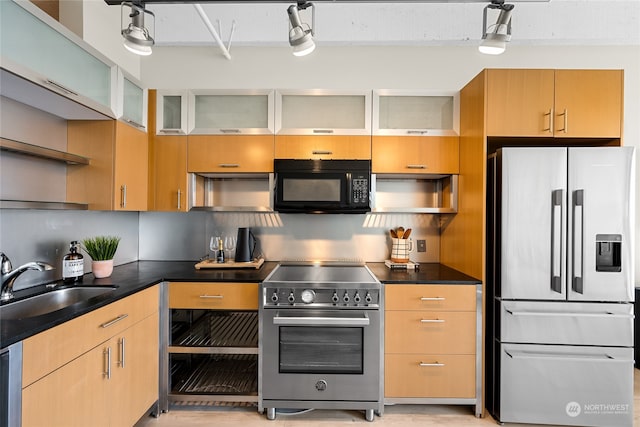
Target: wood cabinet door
(520, 102)
(415, 154)
(230, 154)
(336, 147)
(588, 103)
(135, 368)
(71, 396)
(171, 179)
(131, 168)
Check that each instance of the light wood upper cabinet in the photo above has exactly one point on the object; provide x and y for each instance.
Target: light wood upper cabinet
(415, 155)
(117, 177)
(230, 154)
(588, 103)
(554, 103)
(323, 147)
(171, 179)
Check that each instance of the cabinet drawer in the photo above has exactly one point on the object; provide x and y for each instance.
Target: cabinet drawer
(415, 154)
(430, 297)
(232, 154)
(213, 296)
(323, 147)
(47, 351)
(426, 375)
(430, 332)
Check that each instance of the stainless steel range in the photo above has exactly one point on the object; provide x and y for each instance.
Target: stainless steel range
(321, 339)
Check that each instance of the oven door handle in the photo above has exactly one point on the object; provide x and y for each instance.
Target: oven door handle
(321, 321)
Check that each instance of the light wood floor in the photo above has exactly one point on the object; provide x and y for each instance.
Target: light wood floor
(396, 416)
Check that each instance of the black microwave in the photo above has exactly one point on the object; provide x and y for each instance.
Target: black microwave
(322, 186)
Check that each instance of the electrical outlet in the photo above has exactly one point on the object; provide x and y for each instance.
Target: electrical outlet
(422, 245)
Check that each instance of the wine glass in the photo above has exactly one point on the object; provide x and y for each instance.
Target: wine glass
(214, 243)
(230, 245)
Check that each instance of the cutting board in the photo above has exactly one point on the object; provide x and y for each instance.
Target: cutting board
(211, 263)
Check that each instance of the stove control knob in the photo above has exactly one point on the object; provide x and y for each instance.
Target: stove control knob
(308, 296)
(274, 297)
(368, 298)
(345, 297)
(335, 298)
(291, 298)
(356, 298)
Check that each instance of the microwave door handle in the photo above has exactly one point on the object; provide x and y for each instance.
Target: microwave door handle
(349, 188)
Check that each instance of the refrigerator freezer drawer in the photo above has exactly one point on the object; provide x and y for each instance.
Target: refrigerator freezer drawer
(582, 386)
(567, 323)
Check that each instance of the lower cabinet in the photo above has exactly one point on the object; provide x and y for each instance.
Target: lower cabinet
(432, 337)
(112, 384)
(212, 343)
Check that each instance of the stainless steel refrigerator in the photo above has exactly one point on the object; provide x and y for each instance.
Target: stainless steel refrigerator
(560, 273)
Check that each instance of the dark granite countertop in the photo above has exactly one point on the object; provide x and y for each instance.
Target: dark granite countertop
(136, 276)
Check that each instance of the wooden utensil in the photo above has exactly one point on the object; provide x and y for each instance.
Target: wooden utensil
(393, 234)
(406, 234)
(400, 232)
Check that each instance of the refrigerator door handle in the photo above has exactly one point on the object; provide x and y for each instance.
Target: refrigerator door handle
(573, 314)
(577, 269)
(556, 240)
(575, 357)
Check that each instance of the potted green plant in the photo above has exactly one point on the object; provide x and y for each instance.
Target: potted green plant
(101, 249)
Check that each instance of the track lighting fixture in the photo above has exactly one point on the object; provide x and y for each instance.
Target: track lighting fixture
(136, 36)
(301, 35)
(494, 42)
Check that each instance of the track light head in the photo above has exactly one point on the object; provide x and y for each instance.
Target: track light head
(300, 35)
(136, 36)
(494, 42)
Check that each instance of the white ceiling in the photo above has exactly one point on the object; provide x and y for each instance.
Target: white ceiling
(557, 22)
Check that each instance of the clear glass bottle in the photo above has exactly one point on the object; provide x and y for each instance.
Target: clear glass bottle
(73, 264)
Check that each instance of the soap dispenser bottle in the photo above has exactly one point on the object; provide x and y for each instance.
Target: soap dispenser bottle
(73, 264)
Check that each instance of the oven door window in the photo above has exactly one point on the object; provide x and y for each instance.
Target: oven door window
(321, 350)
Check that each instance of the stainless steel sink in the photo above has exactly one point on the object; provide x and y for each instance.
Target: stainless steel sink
(50, 301)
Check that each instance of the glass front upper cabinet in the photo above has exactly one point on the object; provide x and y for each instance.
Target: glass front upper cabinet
(40, 49)
(171, 112)
(323, 112)
(231, 112)
(132, 101)
(414, 113)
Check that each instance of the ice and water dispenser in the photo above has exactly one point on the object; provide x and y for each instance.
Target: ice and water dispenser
(609, 252)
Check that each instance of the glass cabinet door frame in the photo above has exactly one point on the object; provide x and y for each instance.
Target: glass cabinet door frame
(233, 128)
(380, 129)
(141, 122)
(181, 129)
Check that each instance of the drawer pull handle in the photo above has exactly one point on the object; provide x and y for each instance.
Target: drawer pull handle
(432, 298)
(212, 296)
(436, 364)
(230, 130)
(229, 165)
(320, 152)
(416, 167)
(417, 132)
(116, 320)
(431, 320)
(323, 131)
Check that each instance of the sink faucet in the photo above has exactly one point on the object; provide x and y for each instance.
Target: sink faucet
(9, 275)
